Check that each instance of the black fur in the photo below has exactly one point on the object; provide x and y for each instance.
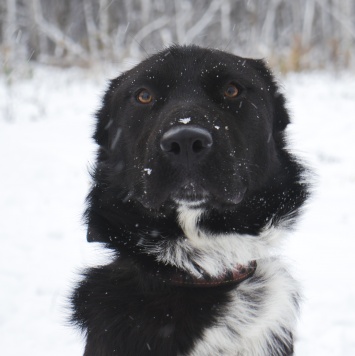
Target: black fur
(127, 312)
(123, 307)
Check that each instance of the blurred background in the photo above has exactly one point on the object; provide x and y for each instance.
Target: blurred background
(294, 35)
(55, 60)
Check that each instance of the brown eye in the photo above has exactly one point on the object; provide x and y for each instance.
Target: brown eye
(144, 97)
(231, 91)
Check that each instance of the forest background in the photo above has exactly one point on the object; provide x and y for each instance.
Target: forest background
(292, 35)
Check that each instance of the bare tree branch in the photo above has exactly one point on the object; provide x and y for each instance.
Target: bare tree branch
(340, 17)
(58, 37)
(91, 28)
(146, 31)
(8, 30)
(204, 21)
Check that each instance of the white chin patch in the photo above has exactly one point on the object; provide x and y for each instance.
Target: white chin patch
(213, 253)
(190, 204)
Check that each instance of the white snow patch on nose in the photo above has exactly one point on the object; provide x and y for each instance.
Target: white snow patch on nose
(185, 120)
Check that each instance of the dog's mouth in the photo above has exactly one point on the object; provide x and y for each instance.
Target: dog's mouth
(198, 187)
(195, 195)
(193, 198)
(190, 196)
(190, 193)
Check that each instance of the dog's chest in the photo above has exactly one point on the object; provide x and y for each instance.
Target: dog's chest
(259, 318)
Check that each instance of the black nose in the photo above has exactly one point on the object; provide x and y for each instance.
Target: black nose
(186, 144)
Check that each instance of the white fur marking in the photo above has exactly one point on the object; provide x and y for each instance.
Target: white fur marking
(261, 308)
(214, 253)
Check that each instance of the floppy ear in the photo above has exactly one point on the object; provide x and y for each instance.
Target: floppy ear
(98, 229)
(104, 114)
(93, 221)
(93, 236)
(105, 117)
(281, 117)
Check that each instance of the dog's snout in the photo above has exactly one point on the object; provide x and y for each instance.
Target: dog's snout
(186, 144)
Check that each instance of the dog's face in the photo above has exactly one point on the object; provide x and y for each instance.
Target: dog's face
(191, 126)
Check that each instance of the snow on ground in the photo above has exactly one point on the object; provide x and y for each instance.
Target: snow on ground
(46, 121)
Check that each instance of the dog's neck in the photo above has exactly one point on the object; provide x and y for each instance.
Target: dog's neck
(199, 253)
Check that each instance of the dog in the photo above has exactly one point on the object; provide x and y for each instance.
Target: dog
(193, 189)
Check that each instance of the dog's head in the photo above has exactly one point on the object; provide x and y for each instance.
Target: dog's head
(191, 125)
(194, 127)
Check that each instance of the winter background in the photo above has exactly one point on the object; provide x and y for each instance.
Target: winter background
(46, 123)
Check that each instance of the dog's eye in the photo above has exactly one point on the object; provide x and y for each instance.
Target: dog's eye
(144, 96)
(231, 91)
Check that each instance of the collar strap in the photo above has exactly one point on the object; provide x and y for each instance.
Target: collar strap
(237, 275)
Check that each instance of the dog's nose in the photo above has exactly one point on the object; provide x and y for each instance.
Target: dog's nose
(186, 144)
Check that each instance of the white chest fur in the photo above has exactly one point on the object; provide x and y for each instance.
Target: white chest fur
(262, 313)
(211, 252)
(262, 310)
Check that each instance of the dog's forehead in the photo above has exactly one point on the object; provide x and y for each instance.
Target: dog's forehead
(182, 63)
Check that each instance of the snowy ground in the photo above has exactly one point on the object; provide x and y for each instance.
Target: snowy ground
(45, 127)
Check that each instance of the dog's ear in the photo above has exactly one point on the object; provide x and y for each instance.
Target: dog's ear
(97, 228)
(90, 219)
(281, 117)
(93, 235)
(105, 114)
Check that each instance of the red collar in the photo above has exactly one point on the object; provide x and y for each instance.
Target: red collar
(237, 275)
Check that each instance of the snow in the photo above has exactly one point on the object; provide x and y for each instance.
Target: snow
(323, 246)
(46, 123)
(185, 121)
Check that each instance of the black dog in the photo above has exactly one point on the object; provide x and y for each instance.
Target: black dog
(193, 189)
